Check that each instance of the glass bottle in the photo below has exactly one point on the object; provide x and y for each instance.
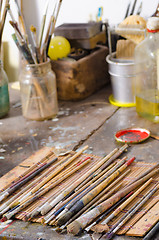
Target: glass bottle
(38, 91)
(4, 93)
(147, 73)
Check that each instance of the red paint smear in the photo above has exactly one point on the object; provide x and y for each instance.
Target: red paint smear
(7, 227)
(132, 135)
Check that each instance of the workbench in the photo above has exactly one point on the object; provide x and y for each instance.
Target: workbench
(92, 121)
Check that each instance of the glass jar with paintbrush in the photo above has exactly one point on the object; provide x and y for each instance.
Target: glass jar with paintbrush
(37, 79)
(38, 91)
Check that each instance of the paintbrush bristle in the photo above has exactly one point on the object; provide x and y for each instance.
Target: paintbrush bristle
(74, 228)
(32, 29)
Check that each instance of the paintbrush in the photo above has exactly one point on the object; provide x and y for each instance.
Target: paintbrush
(47, 37)
(21, 20)
(22, 45)
(103, 225)
(14, 23)
(111, 156)
(25, 179)
(69, 205)
(101, 179)
(93, 193)
(83, 190)
(72, 168)
(127, 10)
(129, 214)
(48, 156)
(88, 228)
(80, 223)
(51, 216)
(4, 14)
(41, 192)
(70, 189)
(16, 198)
(43, 25)
(106, 164)
(1, 3)
(109, 187)
(133, 7)
(139, 9)
(57, 180)
(54, 173)
(44, 209)
(53, 23)
(35, 44)
(144, 173)
(107, 193)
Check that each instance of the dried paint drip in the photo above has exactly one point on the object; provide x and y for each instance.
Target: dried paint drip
(133, 135)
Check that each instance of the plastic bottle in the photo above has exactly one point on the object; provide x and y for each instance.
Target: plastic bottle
(147, 73)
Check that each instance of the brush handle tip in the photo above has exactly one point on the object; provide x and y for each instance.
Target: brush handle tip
(130, 161)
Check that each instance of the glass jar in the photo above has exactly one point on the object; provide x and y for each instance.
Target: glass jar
(147, 73)
(38, 91)
(4, 93)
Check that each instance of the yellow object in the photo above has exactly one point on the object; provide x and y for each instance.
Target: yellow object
(120, 104)
(59, 48)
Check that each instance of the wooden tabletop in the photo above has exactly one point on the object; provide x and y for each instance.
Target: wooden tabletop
(92, 121)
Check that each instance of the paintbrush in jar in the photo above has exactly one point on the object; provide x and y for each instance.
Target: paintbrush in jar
(21, 20)
(53, 23)
(35, 43)
(43, 24)
(2, 22)
(1, 3)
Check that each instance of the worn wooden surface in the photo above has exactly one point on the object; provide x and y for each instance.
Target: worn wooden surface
(92, 121)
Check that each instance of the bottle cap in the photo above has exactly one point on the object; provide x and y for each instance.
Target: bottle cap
(153, 23)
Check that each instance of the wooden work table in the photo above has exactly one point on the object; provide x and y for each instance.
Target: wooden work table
(92, 121)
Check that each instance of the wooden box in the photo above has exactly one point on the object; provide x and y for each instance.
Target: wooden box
(77, 80)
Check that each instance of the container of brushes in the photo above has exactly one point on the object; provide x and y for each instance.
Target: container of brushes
(122, 75)
(38, 91)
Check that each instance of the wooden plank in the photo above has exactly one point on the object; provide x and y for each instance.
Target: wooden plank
(146, 222)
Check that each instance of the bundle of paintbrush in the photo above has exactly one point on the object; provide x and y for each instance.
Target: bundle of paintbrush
(38, 52)
(60, 172)
(37, 80)
(68, 199)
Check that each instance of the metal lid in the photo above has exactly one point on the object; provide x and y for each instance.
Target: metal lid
(132, 135)
(153, 23)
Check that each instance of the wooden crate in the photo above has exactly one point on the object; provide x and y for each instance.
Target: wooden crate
(77, 80)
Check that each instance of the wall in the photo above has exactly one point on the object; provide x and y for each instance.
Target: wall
(71, 11)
